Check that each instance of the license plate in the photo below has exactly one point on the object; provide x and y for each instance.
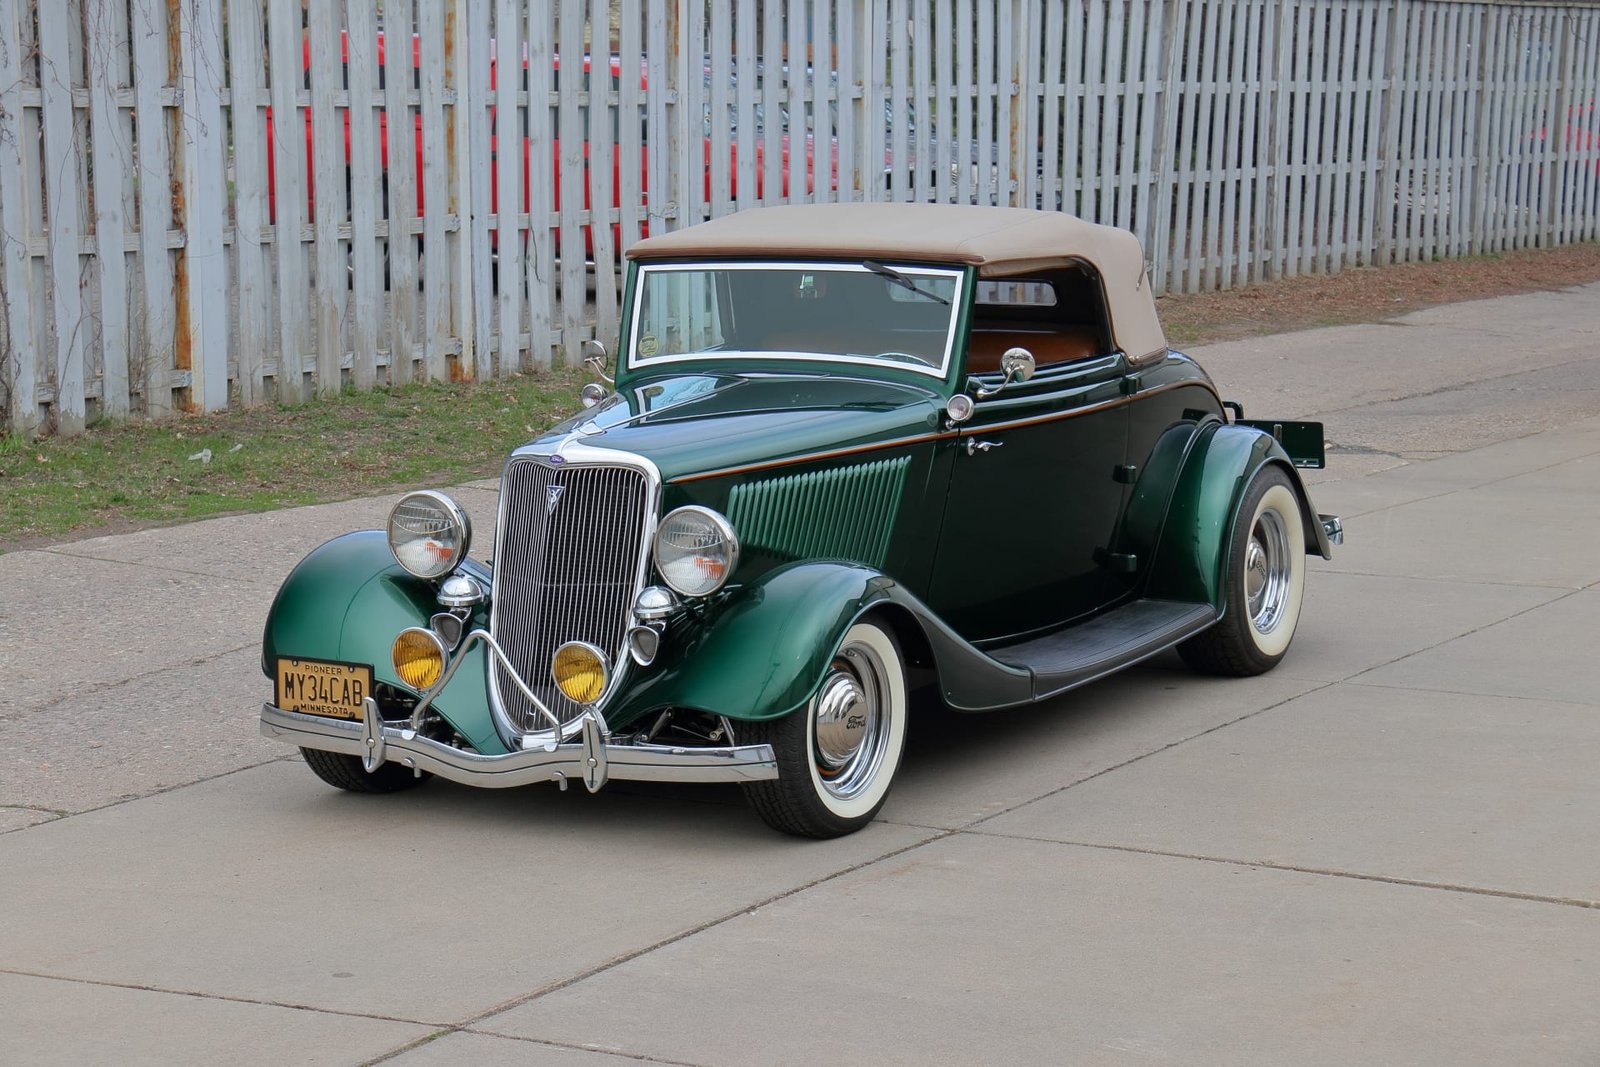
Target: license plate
(323, 687)
(1302, 440)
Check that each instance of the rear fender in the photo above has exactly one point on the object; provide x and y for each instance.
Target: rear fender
(347, 600)
(1189, 561)
(764, 653)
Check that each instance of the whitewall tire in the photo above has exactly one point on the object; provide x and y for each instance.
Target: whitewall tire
(837, 756)
(1265, 583)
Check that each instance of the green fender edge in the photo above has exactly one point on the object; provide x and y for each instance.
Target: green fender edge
(764, 653)
(1214, 465)
(347, 600)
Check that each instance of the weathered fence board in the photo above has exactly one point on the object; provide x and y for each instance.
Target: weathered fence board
(16, 233)
(63, 191)
(240, 200)
(400, 125)
(544, 313)
(571, 135)
(287, 208)
(509, 70)
(327, 190)
(203, 293)
(366, 194)
(434, 201)
(106, 68)
(605, 173)
(246, 60)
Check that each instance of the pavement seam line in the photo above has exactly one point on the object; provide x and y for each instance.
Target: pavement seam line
(224, 997)
(1462, 488)
(1347, 680)
(642, 1057)
(630, 1057)
(1557, 590)
(102, 687)
(144, 565)
(1392, 688)
(1568, 594)
(968, 826)
(682, 935)
(285, 758)
(1326, 872)
(1499, 583)
(1457, 387)
(51, 815)
(1317, 685)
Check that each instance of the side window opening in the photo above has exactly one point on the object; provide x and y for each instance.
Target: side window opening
(1057, 315)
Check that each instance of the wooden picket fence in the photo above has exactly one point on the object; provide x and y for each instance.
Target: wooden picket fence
(205, 202)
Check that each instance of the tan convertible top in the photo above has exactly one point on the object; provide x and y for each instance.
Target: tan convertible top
(1000, 241)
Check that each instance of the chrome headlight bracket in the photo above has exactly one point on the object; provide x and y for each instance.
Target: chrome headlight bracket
(461, 592)
(644, 642)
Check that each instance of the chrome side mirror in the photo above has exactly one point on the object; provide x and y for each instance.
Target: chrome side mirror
(597, 360)
(1017, 366)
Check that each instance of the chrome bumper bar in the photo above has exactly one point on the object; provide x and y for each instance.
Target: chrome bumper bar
(591, 757)
(1333, 527)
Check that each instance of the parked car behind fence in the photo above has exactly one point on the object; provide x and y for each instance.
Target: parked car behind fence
(528, 171)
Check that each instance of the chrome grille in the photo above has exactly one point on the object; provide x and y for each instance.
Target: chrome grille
(568, 565)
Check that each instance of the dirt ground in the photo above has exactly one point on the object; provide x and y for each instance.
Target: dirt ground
(1370, 294)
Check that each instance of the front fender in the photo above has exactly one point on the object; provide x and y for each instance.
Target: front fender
(763, 654)
(1190, 555)
(346, 601)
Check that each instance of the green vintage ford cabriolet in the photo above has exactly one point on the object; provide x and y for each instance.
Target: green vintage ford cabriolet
(845, 443)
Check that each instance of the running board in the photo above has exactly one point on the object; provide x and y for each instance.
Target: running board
(1122, 636)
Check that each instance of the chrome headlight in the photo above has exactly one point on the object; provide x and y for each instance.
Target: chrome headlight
(695, 550)
(429, 534)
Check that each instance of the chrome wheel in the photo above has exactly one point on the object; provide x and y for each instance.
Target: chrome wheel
(1268, 571)
(849, 729)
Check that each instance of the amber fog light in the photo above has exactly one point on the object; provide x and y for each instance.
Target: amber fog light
(418, 657)
(580, 670)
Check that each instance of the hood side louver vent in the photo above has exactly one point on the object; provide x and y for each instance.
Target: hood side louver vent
(846, 513)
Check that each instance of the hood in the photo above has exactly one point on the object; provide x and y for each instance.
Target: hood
(694, 423)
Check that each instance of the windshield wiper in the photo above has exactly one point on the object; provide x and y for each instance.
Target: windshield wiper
(901, 280)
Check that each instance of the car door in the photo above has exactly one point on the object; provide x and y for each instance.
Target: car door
(1033, 502)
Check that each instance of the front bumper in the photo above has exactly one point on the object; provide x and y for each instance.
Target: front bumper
(591, 757)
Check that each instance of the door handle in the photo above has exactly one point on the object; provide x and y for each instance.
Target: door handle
(975, 446)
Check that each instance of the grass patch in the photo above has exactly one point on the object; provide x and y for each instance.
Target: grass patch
(126, 475)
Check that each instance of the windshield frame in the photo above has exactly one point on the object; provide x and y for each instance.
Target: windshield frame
(642, 272)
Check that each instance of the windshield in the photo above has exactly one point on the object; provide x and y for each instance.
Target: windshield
(876, 313)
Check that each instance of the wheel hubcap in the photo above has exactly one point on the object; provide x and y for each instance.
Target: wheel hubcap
(848, 722)
(841, 720)
(1266, 571)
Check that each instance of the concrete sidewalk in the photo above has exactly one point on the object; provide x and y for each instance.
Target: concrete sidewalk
(1383, 851)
